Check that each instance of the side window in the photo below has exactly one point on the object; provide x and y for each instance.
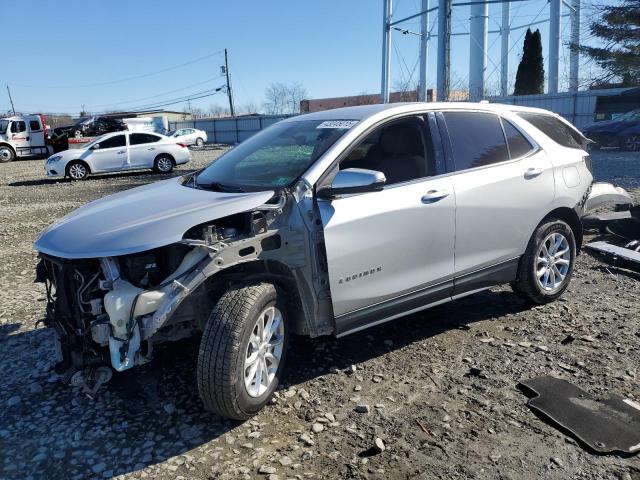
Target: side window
(18, 127)
(112, 142)
(555, 129)
(476, 139)
(519, 146)
(34, 125)
(397, 150)
(140, 138)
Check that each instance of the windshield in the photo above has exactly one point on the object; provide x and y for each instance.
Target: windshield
(274, 157)
(3, 126)
(630, 115)
(95, 140)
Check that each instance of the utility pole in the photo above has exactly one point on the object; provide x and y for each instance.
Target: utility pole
(444, 49)
(505, 30)
(11, 100)
(574, 54)
(424, 51)
(479, 23)
(226, 71)
(554, 45)
(386, 51)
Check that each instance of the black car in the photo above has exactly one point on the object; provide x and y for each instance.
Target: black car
(622, 132)
(93, 126)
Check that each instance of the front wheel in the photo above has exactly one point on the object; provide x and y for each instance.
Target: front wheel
(6, 154)
(163, 164)
(243, 350)
(546, 267)
(77, 171)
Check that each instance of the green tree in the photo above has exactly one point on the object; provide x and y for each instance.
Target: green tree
(618, 28)
(530, 74)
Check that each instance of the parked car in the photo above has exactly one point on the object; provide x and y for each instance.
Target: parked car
(92, 126)
(190, 136)
(117, 152)
(325, 223)
(622, 132)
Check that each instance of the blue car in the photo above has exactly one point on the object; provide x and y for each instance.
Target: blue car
(622, 132)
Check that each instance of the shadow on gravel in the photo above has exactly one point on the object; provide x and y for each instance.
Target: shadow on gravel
(6, 330)
(153, 412)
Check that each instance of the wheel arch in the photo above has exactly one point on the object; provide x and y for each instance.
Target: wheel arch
(270, 271)
(76, 160)
(571, 218)
(5, 144)
(165, 154)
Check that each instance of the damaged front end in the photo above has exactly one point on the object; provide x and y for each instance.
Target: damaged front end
(111, 310)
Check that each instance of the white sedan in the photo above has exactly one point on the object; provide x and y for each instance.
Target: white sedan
(190, 136)
(117, 152)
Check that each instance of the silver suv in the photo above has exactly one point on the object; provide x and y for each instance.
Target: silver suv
(326, 223)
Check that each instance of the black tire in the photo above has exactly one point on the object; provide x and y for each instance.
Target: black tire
(224, 345)
(527, 284)
(164, 163)
(199, 142)
(77, 170)
(7, 154)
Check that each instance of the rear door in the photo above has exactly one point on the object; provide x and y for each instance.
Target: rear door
(390, 251)
(503, 184)
(142, 149)
(111, 154)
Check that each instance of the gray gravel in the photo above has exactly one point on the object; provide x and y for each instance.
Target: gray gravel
(437, 390)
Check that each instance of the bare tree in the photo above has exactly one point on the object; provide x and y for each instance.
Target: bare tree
(284, 98)
(218, 111)
(249, 108)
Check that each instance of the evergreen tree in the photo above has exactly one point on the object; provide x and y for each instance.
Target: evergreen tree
(618, 28)
(530, 74)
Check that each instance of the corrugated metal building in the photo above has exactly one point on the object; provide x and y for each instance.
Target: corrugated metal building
(580, 108)
(229, 130)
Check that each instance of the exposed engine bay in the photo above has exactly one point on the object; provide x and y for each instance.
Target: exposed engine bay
(111, 311)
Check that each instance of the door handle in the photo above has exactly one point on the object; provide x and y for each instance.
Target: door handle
(433, 196)
(532, 173)
(152, 148)
(121, 151)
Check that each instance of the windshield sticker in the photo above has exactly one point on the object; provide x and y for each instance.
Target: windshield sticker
(338, 124)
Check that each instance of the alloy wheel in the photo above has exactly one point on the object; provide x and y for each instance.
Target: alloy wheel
(632, 143)
(264, 352)
(553, 262)
(77, 171)
(165, 164)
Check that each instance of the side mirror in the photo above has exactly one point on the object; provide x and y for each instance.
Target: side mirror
(96, 147)
(353, 180)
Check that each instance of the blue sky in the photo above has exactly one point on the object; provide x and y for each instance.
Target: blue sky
(66, 54)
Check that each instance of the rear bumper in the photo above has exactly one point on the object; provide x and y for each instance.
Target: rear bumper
(603, 194)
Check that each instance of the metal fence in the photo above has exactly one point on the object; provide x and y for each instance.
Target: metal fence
(229, 130)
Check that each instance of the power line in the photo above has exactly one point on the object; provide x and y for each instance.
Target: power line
(135, 77)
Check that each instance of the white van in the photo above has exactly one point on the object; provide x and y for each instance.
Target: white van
(23, 136)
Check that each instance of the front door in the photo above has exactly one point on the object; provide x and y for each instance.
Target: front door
(19, 136)
(390, 251)
(110, 154)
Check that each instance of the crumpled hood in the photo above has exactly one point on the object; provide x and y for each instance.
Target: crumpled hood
(140, 219)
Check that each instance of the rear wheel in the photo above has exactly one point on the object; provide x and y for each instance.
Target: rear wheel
(77, 170)
(199, 142)
(163, 164)
(546, 267)
(242, 351)
(632, 143)
(6, 154)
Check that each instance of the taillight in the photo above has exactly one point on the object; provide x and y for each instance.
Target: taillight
(182, 145)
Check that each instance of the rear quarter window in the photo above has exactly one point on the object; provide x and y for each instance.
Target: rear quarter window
(555, 129)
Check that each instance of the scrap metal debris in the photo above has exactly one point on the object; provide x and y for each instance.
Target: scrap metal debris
(611, 425)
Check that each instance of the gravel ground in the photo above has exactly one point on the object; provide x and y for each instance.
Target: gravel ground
(410, 378)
